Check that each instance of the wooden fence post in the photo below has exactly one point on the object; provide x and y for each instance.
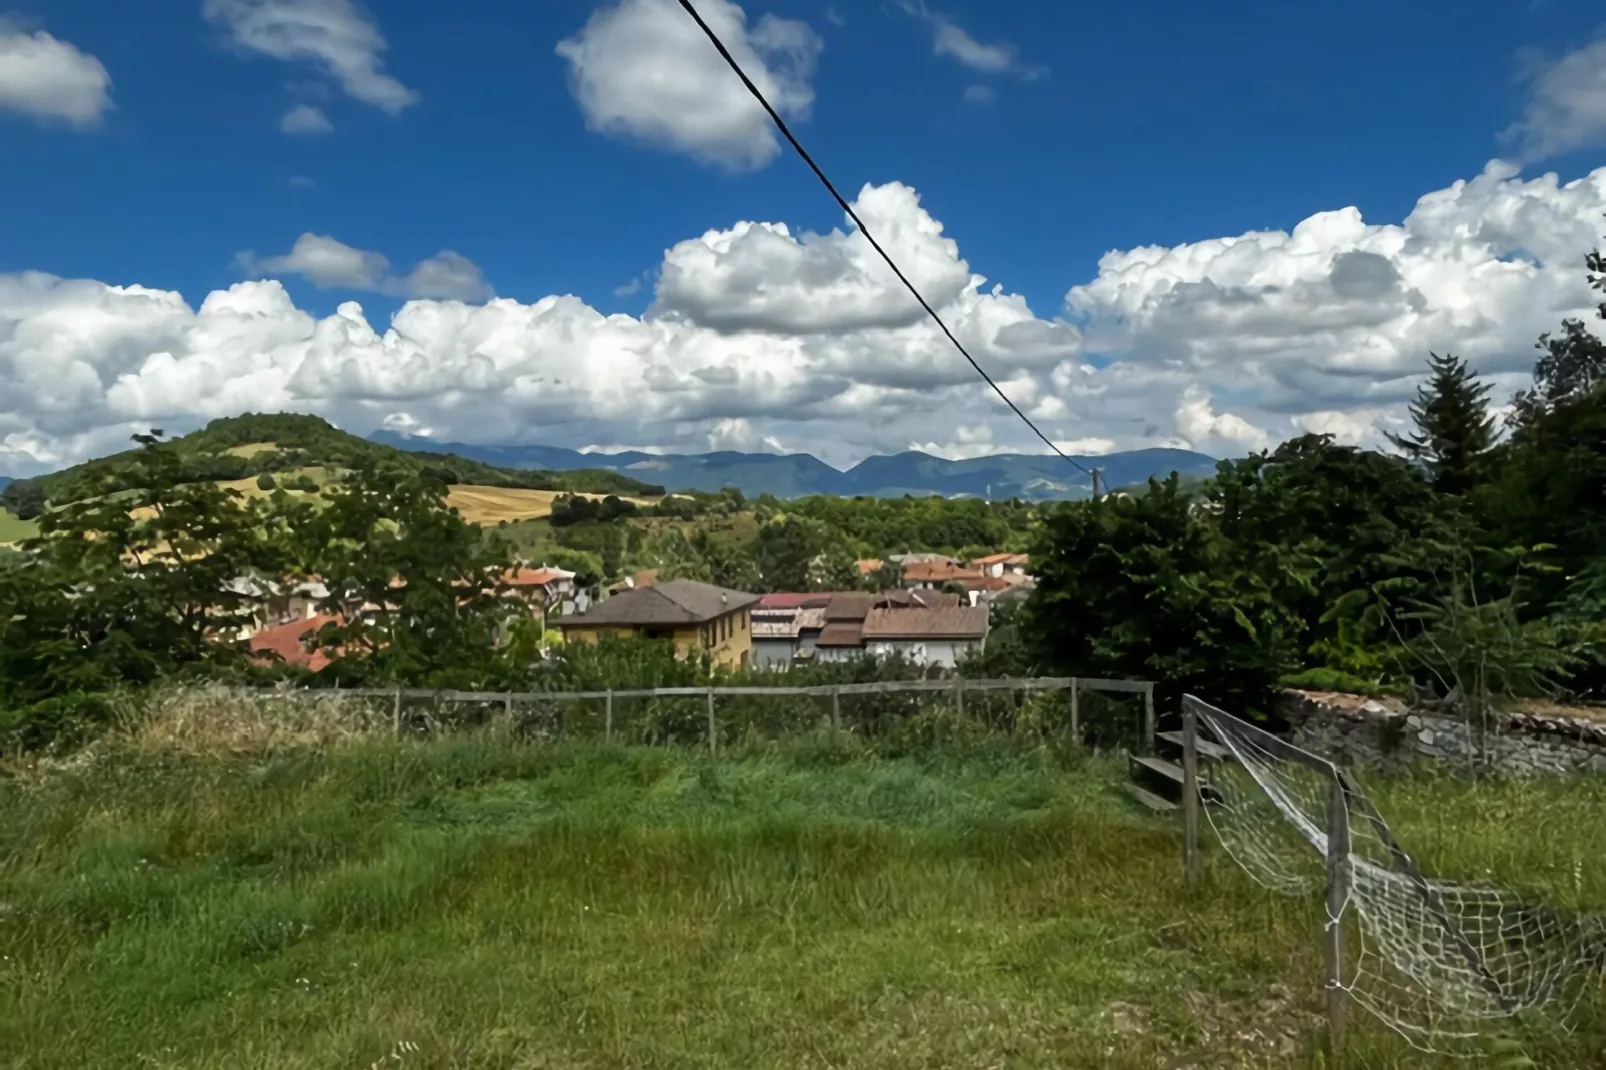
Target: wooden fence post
(607, 718)
(1076, 719)
(1190, 794)
(959, 697)
(713, 726)
(1338, 889)
(395, 714)
(836, 709)
(1148, 720)
(507, 709)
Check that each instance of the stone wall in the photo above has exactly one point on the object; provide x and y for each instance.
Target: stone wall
(1385, 734)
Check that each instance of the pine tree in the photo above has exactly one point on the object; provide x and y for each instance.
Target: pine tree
(1454, 431)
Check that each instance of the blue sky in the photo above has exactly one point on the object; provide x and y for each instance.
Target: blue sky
(1103, 128)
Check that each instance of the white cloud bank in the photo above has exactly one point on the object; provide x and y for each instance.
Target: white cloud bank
(642, 69)
(760, 338)
(50, 80)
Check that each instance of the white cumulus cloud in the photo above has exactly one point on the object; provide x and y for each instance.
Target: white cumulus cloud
(305, 119)
(49, 79)
(950, 39)
(1567, 105)
(330, 264)
(642, 69)
(336, 37)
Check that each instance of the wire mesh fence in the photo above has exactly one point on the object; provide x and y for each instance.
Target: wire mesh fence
(1439, 962)
(1105, 714)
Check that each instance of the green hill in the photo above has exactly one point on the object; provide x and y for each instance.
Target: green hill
(240, 447)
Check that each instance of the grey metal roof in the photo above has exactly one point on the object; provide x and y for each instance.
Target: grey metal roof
(675, 602)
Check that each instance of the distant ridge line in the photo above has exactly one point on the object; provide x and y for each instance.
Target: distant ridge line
(1036, 477)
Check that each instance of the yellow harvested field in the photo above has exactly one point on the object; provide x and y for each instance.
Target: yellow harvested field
(491, 505)
(251, 449)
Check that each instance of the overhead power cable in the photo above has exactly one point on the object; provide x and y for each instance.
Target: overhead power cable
(786, 132)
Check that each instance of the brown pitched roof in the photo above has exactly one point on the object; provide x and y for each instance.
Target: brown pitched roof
(919, 597)
(675, 602)
(957, 622)
(848, 605)
(845, 633)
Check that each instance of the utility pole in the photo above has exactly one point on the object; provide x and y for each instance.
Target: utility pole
(1095, 474)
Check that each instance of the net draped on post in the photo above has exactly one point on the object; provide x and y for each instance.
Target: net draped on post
(1439, 962)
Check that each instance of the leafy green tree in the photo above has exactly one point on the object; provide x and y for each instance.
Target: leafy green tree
(786, 552)
(415, 588)
(1347, 513)
(586, 566)
(121, 590)
(1149, 587)
(1454, 433)
(25, 498)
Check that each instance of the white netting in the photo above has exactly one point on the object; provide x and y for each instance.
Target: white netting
(1436, 961)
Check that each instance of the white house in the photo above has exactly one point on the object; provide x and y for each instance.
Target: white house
(927, 636)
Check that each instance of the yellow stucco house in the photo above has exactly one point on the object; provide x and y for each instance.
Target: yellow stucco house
(695, 617)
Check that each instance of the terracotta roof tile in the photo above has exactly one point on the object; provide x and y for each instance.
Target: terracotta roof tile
(288, 642)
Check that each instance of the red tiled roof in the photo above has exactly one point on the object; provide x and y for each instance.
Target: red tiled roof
(288, 641)
(1001, 559)
(787, 600)
(532, 577)
(867, 566)
(986, 583)
(937, 573)
(955, 622)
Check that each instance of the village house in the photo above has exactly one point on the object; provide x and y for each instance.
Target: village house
(926, 635)
(550, 590)
(694, 617)
(934, 574)
(1000, 565)
(271, 603)
(788, 628)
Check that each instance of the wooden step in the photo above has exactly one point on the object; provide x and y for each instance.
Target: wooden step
(1207, 748)
(1150, 799)
(1171, 771)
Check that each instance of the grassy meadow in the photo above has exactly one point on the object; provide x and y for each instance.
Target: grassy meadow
(195, 893)
(15, 530)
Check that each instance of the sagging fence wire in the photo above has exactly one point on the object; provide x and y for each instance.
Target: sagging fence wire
(1094, 712)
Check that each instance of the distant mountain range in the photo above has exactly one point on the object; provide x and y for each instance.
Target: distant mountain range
(795, 475)
(6, 481)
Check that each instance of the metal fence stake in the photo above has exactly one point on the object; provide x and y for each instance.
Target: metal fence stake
(713, 726)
